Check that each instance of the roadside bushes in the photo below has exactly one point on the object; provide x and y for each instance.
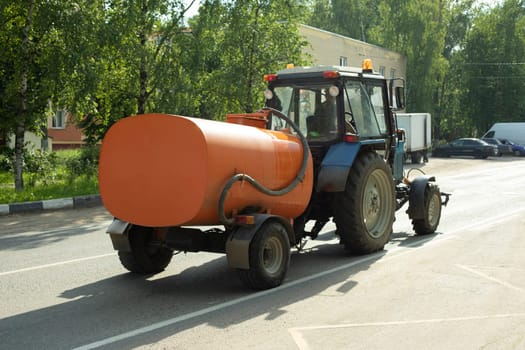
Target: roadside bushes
(40, 166)
(83, 164)
(48, 175)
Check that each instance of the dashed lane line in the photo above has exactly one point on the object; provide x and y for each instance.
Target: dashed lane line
(39, 267)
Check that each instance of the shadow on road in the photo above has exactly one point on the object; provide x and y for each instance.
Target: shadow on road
(171, 302)
(31, 230)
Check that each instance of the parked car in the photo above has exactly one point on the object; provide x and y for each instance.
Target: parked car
(470, 147)
(502, 148)
(517, 149)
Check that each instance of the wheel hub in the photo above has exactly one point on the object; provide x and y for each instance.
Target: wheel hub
(375, 203)
(272, 255)
(434, 208)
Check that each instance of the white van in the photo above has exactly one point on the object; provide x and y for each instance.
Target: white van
(514, 132)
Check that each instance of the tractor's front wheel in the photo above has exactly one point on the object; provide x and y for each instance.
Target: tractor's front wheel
(148, 254)
(364, 212)
(432, 210)
(269, 256)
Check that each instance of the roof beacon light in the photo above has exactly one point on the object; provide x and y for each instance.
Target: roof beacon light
(367, 66)
(290, 65)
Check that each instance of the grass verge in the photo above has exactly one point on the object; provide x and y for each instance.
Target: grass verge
(62, 180)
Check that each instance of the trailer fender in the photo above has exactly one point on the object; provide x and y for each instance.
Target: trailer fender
(238, 243)
(118, 231)
(416, 208)
(335, 167)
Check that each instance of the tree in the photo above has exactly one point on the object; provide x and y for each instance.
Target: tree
(448, 116)
(321, 15)
(495, 66)
(257, 37)
(352, 18)
(260, 35)
(417, 30)
(129, 64)
(31, 46)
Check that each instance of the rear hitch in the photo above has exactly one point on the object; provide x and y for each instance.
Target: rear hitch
(444, 201)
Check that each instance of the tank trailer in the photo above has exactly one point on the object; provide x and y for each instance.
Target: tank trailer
(325, 147)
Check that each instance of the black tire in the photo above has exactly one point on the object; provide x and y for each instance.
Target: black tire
(416, 157)
(479, 155)
(364, 212)
(269, 256)
(439, 154)
(432, 207)
(147, 255)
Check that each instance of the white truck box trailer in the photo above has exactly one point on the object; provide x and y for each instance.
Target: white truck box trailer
(514, 132)
(418, 131)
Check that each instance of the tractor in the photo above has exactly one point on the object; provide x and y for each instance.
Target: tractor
(324, 147)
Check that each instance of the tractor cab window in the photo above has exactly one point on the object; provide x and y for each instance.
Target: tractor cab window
(312, 108)
(365, 109)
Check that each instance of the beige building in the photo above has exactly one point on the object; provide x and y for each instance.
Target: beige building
(326, 48)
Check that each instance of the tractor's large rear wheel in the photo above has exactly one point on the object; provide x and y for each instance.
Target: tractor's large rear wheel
(269, 257)
(148, 254)
(364, 212)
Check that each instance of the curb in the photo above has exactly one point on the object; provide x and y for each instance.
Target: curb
(51, 204)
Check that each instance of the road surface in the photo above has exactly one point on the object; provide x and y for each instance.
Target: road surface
(62, 286)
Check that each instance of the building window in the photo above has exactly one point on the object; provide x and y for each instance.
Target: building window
(392, 73)
(382, 70)
(59, 119)
(343, 61)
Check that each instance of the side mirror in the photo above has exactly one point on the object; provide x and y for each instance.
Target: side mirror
(400, 97)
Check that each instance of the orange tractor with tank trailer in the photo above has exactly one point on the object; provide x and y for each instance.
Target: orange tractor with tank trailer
(325, 147)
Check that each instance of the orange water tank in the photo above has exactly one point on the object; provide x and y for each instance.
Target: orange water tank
(166, 170)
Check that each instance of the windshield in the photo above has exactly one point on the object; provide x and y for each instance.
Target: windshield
(312, 108)
(364, 107)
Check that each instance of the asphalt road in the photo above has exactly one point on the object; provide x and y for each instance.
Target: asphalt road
(62, 286)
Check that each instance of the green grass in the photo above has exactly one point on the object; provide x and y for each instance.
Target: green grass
(59, 183)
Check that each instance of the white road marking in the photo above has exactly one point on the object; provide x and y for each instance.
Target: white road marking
(506, 216)
(55, 264)
(302, 344)
(453, 234)
(490, 278)
(394, 252)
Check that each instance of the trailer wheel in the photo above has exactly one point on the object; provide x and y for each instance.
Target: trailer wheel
(364, 212)
(269, 257)
(147, 254)
(432, 209)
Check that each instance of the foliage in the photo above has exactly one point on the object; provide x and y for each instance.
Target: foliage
(494, 66)
(85, 164)
(271, 42)
(37, 164)
(352, 18)
(465, 61)
(104, 60)
(57, 179)
(40, 165)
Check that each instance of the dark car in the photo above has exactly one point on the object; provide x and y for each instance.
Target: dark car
(502, 148)
(517, 149)
(469, 147)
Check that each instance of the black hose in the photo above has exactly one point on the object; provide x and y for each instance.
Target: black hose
(245, 177)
